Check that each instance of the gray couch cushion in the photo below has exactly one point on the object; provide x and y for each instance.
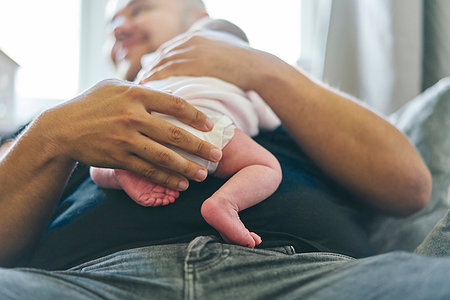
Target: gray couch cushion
(426, 121)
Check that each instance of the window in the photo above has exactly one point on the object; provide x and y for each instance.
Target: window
(271, 25)
(43, 37)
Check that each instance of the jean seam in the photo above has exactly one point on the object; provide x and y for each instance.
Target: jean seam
(188, 285)
(331, 254)
(209, 263)
(193, 265)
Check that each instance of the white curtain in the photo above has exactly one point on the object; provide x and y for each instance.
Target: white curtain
(377, 50)
(436, 62)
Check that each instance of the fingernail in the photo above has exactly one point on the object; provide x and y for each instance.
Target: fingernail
(215, 154)
(182, 185)
(201, 175)
(209, 123)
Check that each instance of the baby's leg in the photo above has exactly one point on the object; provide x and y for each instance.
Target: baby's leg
(140, 189)
(257, 175)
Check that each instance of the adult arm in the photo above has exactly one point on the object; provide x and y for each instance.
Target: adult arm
(353, 145)
(108, 126)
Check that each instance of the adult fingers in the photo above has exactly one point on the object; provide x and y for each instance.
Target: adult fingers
(179, 53)
(169, 104)
(163, 157)
(156, 174)
(170, 134)
(185, 48)
(173, 67)
(179, 42)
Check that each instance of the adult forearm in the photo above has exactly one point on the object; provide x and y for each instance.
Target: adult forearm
(352, 144)
(111, 126)
(32, 177)
(357, 148)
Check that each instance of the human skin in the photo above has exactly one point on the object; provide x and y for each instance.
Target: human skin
(360, 150)
(225, 217)
(107, 126)
(255, 175)
(141, 26)
(357, 148)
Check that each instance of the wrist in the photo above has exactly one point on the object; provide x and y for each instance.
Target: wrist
(272, 77)
(261, 67)
(46, 133)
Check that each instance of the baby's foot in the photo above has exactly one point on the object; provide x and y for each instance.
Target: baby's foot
(105, 178)
(224, 217)
(143, 191)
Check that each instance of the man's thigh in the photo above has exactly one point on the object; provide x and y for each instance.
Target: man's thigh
(206, 268)
(221, 271)
(154, 272)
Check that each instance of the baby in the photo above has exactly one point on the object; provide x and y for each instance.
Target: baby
(254, 172)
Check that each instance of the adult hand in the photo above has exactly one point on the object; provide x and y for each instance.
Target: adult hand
(110, 126)
(194, 55)
(350, 143)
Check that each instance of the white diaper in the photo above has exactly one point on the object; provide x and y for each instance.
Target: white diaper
(219, 136)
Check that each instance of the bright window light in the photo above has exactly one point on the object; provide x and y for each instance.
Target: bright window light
(271, 25)
(43, 37)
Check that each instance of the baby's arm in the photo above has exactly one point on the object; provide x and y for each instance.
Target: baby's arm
(255, 173)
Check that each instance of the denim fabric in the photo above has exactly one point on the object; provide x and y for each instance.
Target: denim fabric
(308, 211)
(206, 268)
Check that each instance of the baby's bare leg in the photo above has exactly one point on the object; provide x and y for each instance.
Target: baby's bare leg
(257, 175)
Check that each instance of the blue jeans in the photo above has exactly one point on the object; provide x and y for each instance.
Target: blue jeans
(206, 268)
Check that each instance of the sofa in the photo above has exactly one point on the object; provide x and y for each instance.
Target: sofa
(426, 121)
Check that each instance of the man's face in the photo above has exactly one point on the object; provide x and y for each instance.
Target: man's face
(141, 26)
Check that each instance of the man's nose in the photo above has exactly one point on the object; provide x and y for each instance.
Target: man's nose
(122, 28)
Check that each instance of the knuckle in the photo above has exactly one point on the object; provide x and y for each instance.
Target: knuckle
(178, 104)
(166, 181)
(176, 135)
(200, 147)
(128, 117)
(164, 158)
(149, 172)
(134, 92)
(188, 169)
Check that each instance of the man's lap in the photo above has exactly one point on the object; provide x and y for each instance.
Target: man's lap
(208, 268)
